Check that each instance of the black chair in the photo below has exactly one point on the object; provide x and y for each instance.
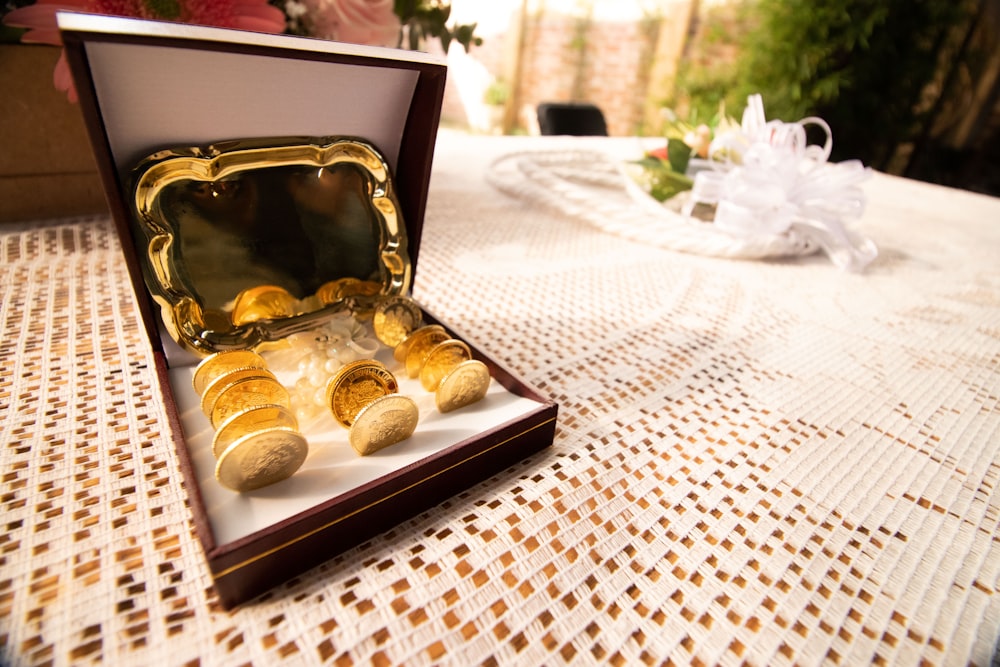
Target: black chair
(574, 119)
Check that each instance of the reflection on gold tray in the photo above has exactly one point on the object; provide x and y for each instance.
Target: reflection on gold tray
(314, 221)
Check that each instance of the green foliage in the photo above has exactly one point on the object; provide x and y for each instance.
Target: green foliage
(708, 78)
(428, 19)
(658, 178)
(860, 65)
(678, 154)
(497, 93)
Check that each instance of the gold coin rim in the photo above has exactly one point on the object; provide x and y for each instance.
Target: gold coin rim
(425, 378)
(441, 397)
(199, 381)
(283, 396)
(242, 442)
(421, 349)
(335, 384)
(400, 351)
(223, 438)
(220, 382)
(370, 409)
(380, 308)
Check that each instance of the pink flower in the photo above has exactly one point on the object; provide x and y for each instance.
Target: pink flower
(372, 22)
(40, 20)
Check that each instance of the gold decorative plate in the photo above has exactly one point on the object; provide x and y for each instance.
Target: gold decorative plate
(265, 216)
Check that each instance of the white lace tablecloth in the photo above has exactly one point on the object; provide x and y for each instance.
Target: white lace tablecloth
(769, 462)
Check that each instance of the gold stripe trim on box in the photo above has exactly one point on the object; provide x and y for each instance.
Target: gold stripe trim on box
(265, 554)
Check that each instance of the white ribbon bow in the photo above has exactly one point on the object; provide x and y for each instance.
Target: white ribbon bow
(766, 180)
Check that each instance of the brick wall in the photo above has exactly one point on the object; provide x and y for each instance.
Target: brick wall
(569, 57)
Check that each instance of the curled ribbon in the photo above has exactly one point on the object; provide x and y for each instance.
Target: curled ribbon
(766, 180)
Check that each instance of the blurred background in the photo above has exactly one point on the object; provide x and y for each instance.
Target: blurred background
(910, 87)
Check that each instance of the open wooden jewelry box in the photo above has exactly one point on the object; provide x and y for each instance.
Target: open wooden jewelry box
(192, 128)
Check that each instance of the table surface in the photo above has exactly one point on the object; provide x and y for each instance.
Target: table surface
(770, 462)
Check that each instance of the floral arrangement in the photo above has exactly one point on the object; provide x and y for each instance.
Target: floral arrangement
(762, 181)
(398, 23)
(668, 170)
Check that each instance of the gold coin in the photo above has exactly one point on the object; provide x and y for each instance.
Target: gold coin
(383, 422)
(223, 380)
(356, 385)
(338, 290)
(264, 302)
(442, 358)
(261, 458)
(254, 418)
(463, 385)
(424, 340)
(247, 393)
(400, 351)
(395, 318)
(219, 363)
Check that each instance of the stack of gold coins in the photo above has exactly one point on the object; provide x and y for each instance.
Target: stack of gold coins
(444, 364)
(256, 441)
(364, 398)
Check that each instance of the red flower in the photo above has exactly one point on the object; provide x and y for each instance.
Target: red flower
(40, 20)
(659, 153)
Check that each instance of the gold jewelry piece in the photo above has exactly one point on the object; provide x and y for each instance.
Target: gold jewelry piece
(395, 318)
(250, 420)
(263, 302)
(463, 385)
(220, 382)
(383, 422)
(246, 393)
(220, 363)
(442, 358)
(356, 385)
(419, 344)
(261, 458)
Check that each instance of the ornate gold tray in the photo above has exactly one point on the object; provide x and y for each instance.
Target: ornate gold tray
(245, 242)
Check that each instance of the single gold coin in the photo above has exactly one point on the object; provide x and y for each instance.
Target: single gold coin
(400, 351)
(223, 380)
(425, 340)
(440, 360)
(338, 290)
(251, 420)
(395, 318)
(219, 363)
(383, 422)
(356, 385)
(246, 393)
(264, 302)
(261, 458)
(463, 385)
